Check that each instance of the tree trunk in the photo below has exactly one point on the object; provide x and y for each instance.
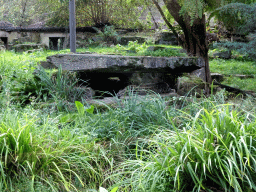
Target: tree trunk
(195, 41)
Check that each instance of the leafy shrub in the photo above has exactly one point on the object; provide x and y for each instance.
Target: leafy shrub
(109, 34)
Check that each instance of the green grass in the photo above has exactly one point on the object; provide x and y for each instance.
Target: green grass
(55, 143)
(231, 67)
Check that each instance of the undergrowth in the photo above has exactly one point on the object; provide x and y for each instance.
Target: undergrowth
(58, 142)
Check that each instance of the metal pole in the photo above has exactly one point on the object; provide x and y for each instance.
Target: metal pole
(72, 26)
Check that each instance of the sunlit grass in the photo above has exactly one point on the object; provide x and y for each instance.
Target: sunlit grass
(233, 66)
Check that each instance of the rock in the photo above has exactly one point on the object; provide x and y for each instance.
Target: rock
(97, 38)
(125, 40)
(1, 42)
(223, 55)
(5, 24)
(211, 37)
(47, 65)
(144, 89)
(130, 51)
(25, 47)
(217, 76)
(190, 85)
(166, 38)
(33, 50)
(15, 41)
(244, 76)
(2, 48)
(199, 73)
(118, 63)
(22, 40)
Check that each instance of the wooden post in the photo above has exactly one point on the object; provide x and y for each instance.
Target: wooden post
(72, 26)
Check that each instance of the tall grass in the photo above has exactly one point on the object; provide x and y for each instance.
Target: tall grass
(215, 150)
(56, 159)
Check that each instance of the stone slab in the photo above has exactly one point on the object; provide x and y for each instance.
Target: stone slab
(117, 63)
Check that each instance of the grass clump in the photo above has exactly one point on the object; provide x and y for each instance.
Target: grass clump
(56, 159)
(215, 150)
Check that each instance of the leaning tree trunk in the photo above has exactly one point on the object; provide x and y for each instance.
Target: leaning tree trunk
(194, 40)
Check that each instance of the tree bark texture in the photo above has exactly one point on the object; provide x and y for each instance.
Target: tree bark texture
(194, 37)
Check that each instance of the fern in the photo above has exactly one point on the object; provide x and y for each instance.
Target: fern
(193, 8)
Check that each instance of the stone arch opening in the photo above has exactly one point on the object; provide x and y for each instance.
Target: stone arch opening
(5, 40)
(56, 43)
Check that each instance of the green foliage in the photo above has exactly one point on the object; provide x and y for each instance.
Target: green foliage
(193, 9)
(136, 49)
(61, 85)
(137, 144)
(109, 34)
(20, 12)
(248, 49)
(54, 160)
(213, 150)
(90, 13)
(237, 17)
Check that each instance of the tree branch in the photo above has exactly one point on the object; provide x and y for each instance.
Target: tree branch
(167, 22)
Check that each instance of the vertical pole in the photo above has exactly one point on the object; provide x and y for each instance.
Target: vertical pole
(72, 26)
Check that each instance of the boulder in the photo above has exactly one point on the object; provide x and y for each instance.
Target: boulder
(5, 24)
(47, 65)
(190, 85)
(212, 37)
(166, 38)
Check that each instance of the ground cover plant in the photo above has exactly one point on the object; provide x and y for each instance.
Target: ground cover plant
(58, 143)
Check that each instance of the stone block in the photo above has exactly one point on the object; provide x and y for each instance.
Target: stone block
(167, 38)
(217, 76)
(118, 63)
